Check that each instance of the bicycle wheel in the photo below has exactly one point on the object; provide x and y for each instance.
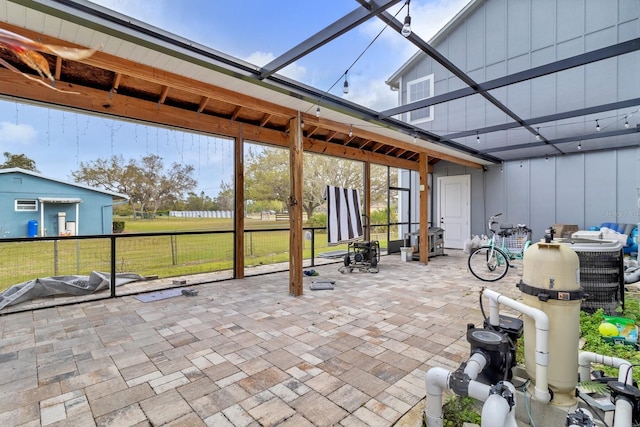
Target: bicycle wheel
(488, 264)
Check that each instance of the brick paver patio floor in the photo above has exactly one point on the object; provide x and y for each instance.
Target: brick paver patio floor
(244, 352)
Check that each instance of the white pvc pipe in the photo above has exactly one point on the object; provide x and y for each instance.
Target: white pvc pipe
(586, 358)
(475, 365)
(541, 391)
(478, 390)
(624, 409)
(623, 413)
(437, 379)
(496, 411)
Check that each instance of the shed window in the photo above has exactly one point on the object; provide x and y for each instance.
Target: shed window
(26, 205)
(418, 90)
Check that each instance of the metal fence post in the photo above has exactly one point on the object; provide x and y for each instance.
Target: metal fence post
(113, 267)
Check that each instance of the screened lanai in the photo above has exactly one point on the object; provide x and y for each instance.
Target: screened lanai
(145, 74)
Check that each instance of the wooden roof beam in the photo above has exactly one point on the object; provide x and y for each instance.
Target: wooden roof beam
(116, 82)
(235, 113)
(348, 140)
(265, 119)
(312, 131)
(58, 70)
(365, 143)
(163, 95)
(203, 103)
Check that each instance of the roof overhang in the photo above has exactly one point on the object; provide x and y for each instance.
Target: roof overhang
(147, 75)
(59, 200)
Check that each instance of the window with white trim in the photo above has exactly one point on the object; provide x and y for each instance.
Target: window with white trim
(418, 90)
(23, 205)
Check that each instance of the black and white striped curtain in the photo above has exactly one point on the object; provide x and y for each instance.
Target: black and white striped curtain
(344, 223)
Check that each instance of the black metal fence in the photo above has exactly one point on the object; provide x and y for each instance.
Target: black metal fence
(165, 259)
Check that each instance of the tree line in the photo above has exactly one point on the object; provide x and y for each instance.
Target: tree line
(151, 186)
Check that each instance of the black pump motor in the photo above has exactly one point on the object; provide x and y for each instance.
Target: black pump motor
(497, 348)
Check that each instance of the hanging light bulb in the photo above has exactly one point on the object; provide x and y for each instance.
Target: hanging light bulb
(580, 145)
(350, 131)
(302, 124)
(406, 28)
(546, 158)
(477, 137)
(415, 138)
(597, 126)
(345, 87)
(318, 111)
(538, 137)
(626, 123)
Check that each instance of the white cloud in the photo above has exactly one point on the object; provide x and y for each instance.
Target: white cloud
(17, 134)
(260, 58)
(372, 93)
(293, 71)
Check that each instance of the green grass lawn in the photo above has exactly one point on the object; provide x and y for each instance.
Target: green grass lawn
(266, 242)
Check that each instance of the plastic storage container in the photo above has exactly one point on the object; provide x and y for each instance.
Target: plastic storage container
(32, 228)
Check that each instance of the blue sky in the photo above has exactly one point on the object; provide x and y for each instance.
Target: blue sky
(256, 31)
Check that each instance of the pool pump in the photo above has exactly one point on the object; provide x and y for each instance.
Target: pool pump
(498, 350)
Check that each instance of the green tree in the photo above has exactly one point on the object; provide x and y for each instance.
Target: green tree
(224, 201)
(199, 202)
(267, 177)
(18, 161)
(147, 183)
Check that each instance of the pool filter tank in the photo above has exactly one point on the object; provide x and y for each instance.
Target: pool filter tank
(551, 283)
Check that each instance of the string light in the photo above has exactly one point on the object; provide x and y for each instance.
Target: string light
(538, 137)
(597, 126)
(350, 131)
(580, 145)
(345, 87)
(415, 138)
(302, 124)
(477, 137)
(406, 28)
(318, 111)
(626, 123)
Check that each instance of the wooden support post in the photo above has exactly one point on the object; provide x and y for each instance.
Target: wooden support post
(367, 201)
(424, 208)
(295, 207)
(238, 266)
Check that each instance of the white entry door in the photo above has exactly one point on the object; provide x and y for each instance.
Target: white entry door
(454, 210)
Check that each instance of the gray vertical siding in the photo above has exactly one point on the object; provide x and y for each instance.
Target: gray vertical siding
(584, 189)
(502, 37)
